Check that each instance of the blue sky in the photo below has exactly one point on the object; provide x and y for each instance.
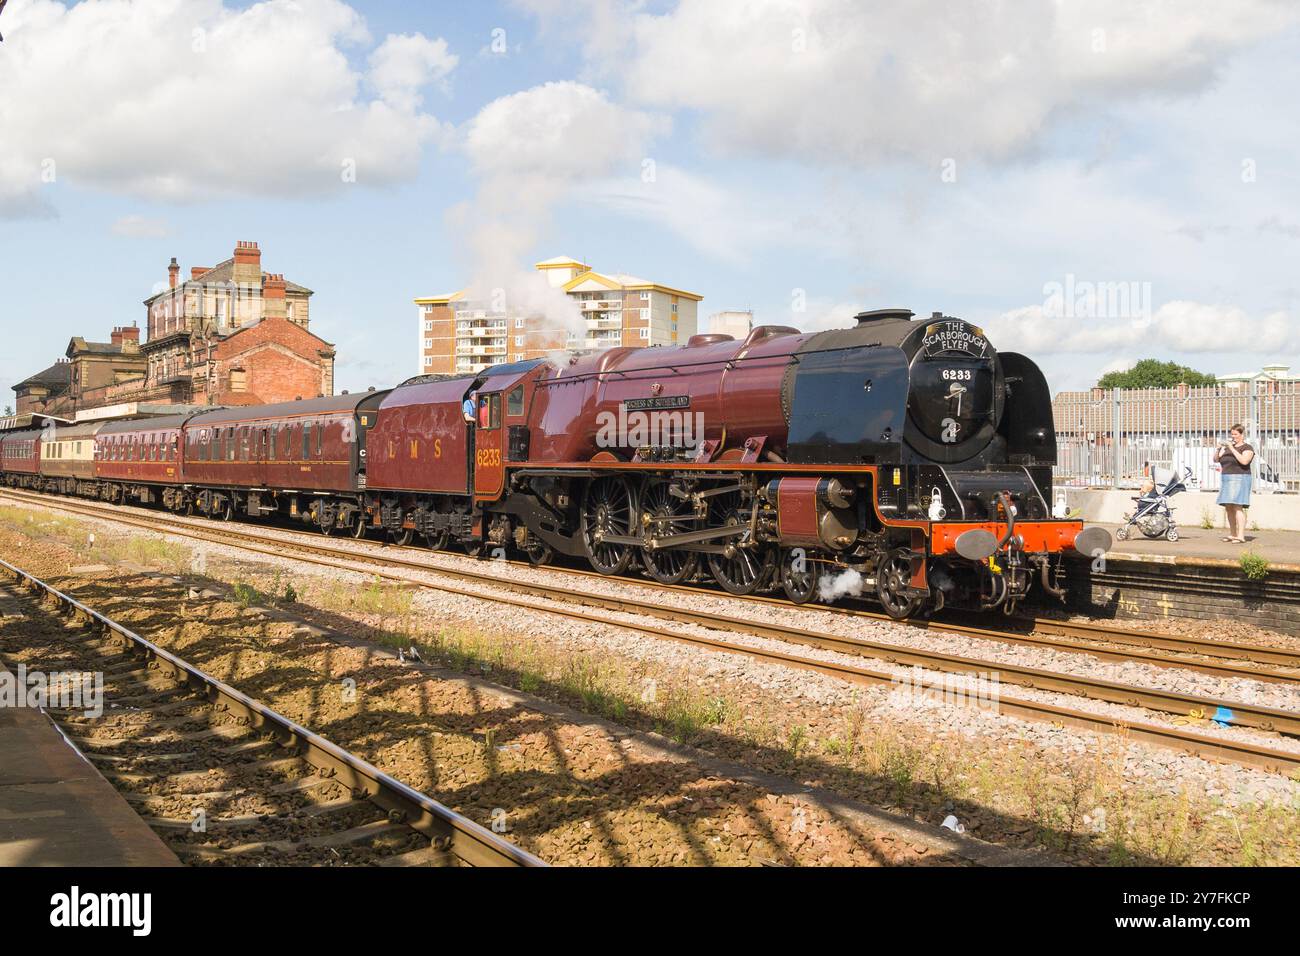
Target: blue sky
(802, 151)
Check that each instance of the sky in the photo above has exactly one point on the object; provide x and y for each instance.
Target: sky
(1092, 182)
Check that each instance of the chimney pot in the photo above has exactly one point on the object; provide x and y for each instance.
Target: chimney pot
(173, 270)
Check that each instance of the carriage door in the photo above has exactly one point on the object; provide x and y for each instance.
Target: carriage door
(264, 454)
(489, 459)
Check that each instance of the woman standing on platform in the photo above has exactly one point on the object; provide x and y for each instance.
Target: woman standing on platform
(1234, 457)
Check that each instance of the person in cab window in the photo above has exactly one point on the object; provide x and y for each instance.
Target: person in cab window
(484, 412)
(467, 409)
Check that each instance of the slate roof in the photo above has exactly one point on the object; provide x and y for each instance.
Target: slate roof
(225, 272)
(58, 374)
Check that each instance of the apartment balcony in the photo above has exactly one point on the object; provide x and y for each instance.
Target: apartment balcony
(605, 323)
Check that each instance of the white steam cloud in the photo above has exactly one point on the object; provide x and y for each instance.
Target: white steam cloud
(832, 587)
(531, 150)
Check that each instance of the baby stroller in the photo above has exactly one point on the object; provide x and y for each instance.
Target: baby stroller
(1151, 514)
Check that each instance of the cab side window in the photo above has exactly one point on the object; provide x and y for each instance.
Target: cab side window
(489, 411)
(515, 401)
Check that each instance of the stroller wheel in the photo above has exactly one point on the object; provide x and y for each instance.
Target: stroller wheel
(1171, 534)
(1121, 533)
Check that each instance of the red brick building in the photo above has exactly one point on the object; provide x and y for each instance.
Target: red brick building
(229, 335)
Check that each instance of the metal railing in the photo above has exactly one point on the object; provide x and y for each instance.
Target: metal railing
(1110, 438)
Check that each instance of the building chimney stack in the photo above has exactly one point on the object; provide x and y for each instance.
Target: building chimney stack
(126, 337)
(273, 287)
(173, 271)
(248, 264)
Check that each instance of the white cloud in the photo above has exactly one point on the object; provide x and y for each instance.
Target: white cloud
(181, 101)
(561, 131)
(1178, 326)
(844, 81)
(405, 64)
(141, 227)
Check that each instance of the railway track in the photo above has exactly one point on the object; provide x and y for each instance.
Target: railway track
(169, 734)
(1099, 640)
(574, 604)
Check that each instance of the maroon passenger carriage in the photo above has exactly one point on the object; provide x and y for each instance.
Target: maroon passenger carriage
(20, 458)
(141, 461)
(303, 459)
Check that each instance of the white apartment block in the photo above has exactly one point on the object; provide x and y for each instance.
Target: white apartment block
(461, 336)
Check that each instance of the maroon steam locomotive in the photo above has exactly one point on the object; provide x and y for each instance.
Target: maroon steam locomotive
(905, 455)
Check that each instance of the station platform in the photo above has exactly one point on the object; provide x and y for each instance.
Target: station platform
(1206, 547)
(56, 809)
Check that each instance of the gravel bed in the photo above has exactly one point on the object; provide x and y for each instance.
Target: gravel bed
(798, 690)
(566, 789)
(818, 689)
(1234, 630)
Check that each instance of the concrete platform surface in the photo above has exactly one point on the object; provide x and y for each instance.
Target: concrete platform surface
(1277, 512)
(56, 809)
(1197, 545)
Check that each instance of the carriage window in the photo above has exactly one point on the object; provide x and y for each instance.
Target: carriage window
(515, 401)
(306, 442)
(320, 437)
(229, 439)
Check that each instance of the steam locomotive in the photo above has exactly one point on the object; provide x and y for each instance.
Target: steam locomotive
(902, 455)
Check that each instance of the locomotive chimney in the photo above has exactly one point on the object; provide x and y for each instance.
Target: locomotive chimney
(882, 315)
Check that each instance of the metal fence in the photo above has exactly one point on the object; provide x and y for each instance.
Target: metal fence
(1109, 438)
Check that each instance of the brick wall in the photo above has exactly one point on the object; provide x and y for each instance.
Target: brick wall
(280, 361)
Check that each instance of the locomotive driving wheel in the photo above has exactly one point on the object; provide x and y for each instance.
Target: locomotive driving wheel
(667, 515)
(893, 581)
(608, 508)
(800, 576)
(746, 569)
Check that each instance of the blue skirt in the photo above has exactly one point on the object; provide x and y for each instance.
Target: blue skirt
(1234, 490)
